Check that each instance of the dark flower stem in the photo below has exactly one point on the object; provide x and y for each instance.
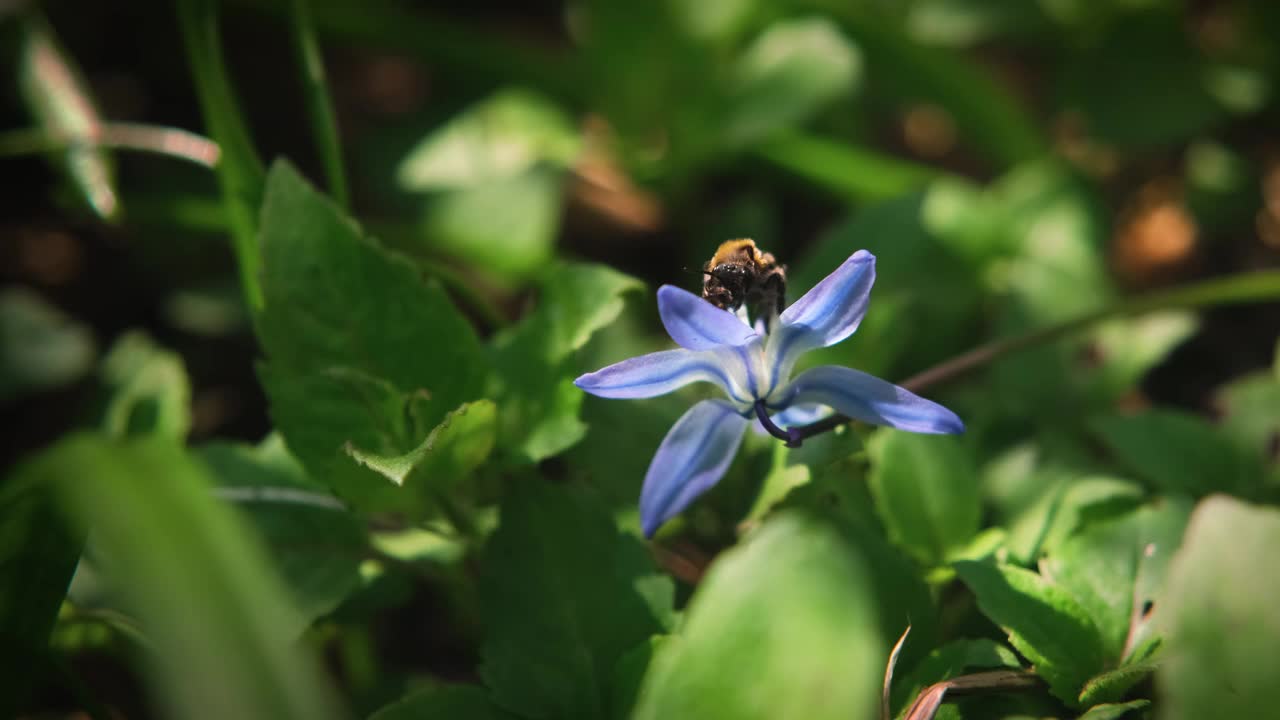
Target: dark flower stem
(791, 437)
(1232, 289)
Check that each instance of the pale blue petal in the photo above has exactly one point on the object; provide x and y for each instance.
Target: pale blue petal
(661, 372)
(832, 310)
(869, 399)
(692, 458)
(696, 324)
(800, 414)
(794, 416)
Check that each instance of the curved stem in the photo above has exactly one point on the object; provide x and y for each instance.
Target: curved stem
(791, 436)
(324, 126)
(1229, 290)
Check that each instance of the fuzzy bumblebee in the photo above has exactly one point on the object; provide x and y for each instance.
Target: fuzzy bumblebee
(739, 273)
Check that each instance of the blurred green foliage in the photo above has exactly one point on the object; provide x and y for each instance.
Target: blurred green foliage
(417, 514)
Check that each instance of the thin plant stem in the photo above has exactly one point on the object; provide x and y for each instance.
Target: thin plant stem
(324, 124)
(1232, 289)
(157, 139)
(240, 173)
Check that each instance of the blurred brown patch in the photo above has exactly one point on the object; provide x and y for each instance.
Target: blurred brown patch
(929, 131)
(1072, 142)
(1268, 219)
(47, 256)
(602, 189)
(1155, 240)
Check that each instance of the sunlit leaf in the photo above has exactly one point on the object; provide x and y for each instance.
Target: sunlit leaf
(1044, 622)
(40, 347)
(361, 351)
(1178, 452)
(785, 75)
(534, 380)
(497, 139)
(782, 626)
(146, 388)
(1220, 619)
(926, 491)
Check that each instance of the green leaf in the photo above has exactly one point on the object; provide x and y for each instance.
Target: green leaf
(218, 617)
(1115, 566)
(926, 492)
(1114, 684)
(38, 555)
(790, 71)
(1142, 85)
(564, 596)
(781, 626)
(1113, 711)
(40, 346)
(445, 702)
(1247, 410)
(1220, 618)
(498, 139)
(1177, 452)
(838, 492)
(314, 542)
(535, 371)
(1043, 621)
(455, 448)
(506, 227)
(629, 673)
(361, 352)
(147, 390)
(59, 99)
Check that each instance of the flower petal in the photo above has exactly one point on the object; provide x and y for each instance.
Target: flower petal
(661, 372)
(693, 457)
(869, 399)
(831, 311)
(696, 324)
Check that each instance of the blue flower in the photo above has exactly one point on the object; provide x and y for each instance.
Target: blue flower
(754, 367)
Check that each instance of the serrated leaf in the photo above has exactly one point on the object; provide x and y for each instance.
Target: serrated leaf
(1114, 684)
(1220, 619)
(1177, 452)
(360, 349)
(533, 383)
(445, 702)
(1115, 567)
(926, 491)
(1113, 711)
(455, 447)
(564, 596)
(312, 539)
(781, 626)
(147, 389)
(1044, 622)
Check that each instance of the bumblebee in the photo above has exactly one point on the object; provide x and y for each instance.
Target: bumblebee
(741, 274)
